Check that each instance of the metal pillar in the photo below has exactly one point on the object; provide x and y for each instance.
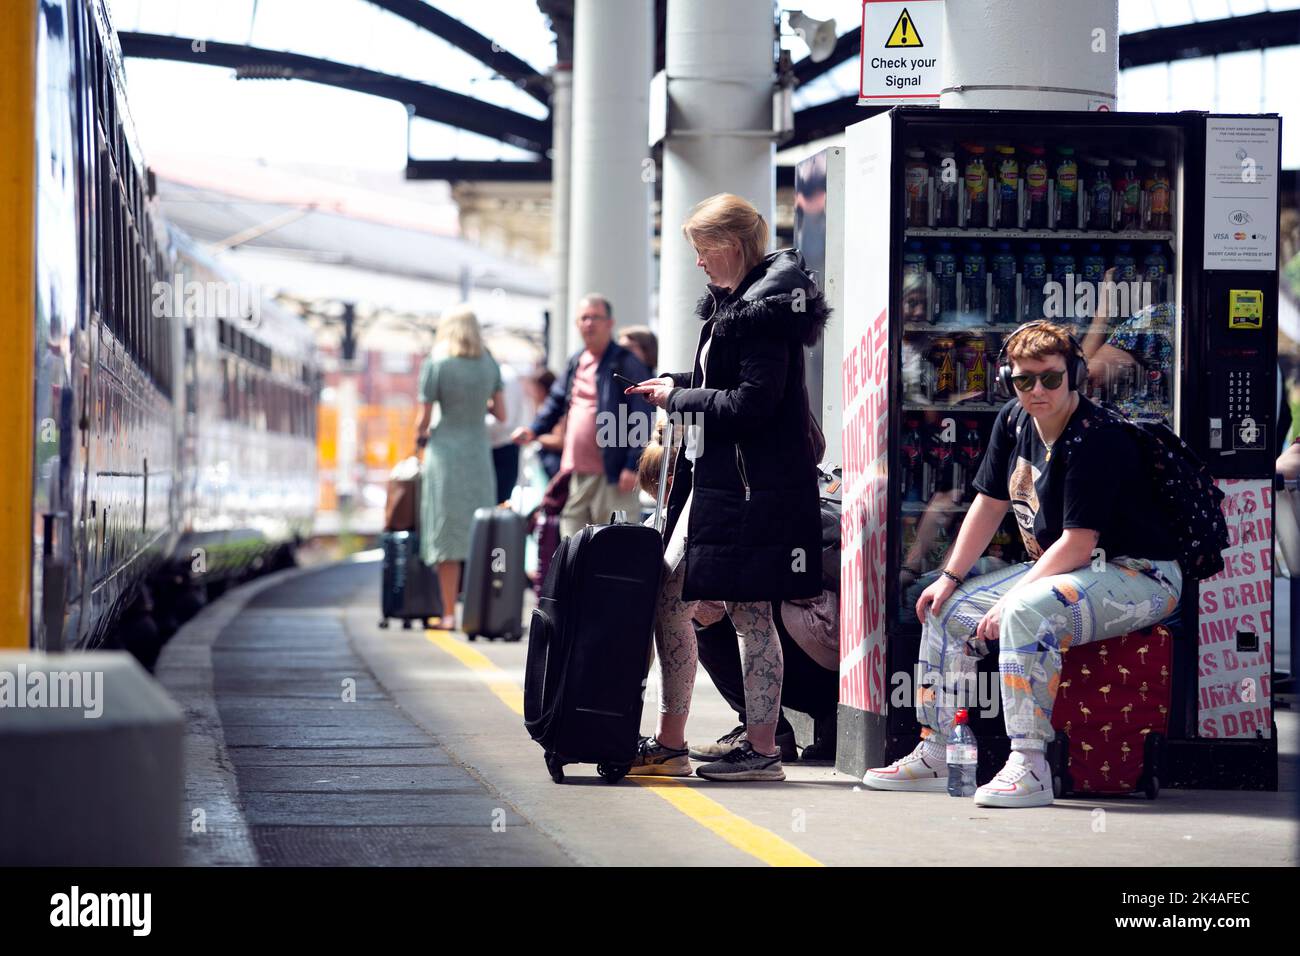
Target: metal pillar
(609, 226)
(720, 60)
(561, 159)
(1047, 55)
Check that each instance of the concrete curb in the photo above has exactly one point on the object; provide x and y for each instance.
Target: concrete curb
(216, 833)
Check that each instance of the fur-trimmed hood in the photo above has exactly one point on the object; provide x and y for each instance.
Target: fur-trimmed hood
(777, 298)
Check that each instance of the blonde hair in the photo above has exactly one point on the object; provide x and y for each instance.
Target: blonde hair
(721, 220)
(458, 334)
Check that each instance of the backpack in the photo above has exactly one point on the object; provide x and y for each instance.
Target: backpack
(1183, 490)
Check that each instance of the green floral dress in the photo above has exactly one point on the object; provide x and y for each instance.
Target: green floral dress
(458, 472)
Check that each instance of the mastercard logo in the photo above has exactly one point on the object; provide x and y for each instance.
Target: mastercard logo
(1239, 236)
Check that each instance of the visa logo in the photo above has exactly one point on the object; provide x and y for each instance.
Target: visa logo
(1220, 235)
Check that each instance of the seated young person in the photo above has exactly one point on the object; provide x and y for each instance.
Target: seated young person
(1070, 472)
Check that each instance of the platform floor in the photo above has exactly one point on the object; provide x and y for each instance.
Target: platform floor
(426, 762)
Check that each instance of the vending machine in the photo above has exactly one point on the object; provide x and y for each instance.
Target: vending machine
(1154, 237)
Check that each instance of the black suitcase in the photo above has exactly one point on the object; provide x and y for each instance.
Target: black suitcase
(589, 643)
(410, 589)
(494, 576)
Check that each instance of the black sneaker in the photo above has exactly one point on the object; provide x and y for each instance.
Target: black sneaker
(734, 738)
(743, 763)
(653, 759)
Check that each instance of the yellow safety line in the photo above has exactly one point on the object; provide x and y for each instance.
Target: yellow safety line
(496, 679)
(745, 836)
(736, 830)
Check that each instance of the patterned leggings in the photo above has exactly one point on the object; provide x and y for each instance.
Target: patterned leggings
(1038, 621)
(760, 652)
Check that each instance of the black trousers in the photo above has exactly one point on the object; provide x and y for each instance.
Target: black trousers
(506, 462)
(807, 686)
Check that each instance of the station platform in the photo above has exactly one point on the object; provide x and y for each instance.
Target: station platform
(316, 738)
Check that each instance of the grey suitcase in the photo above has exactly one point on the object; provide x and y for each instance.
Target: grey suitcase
(494, 576)
(410, 587)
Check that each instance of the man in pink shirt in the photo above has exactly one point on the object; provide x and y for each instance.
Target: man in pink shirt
(605, 429)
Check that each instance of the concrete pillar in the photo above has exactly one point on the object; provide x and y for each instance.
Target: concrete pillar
(1046, 55)
(720, 62)
(561, 171)
(612, 175)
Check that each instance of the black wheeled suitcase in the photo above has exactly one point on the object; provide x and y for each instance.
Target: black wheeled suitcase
(588, 644)
(494, 576)
(410, 587)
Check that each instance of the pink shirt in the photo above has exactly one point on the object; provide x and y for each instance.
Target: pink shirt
(581, 453)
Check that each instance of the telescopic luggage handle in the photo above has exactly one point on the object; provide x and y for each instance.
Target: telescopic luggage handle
(662, 495)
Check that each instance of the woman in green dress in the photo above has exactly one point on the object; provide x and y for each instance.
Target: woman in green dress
(462, 379)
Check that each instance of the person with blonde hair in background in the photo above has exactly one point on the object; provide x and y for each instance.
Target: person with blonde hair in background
(462, 379)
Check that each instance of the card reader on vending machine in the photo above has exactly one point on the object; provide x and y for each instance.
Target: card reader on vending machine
(1241, 371)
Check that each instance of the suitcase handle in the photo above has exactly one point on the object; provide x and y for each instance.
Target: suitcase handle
(662, 496)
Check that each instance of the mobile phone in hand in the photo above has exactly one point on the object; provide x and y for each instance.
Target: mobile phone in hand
(625, 381)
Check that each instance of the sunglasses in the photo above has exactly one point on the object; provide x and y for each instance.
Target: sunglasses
(1051, 380)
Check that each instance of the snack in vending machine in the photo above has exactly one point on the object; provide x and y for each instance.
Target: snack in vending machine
(1008, 188)
(1094, 265)
(1064, 265)
(943, 369)
(916, 183)
(939, 458)
(1124, 264)
(973, 356)
(1155, 269)
(1128, 194)
(1002, 266)
(1156, 195)
(1101, 207)
(1035, 188)
(944, 263)
(916, 301)
(974, 282)
(976, 183)
(1067, 188)
(911, 449)
(946, 187)
(1033, 269)
(1121, 382)
(969, 452)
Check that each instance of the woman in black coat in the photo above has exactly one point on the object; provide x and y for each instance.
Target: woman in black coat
(743, 520)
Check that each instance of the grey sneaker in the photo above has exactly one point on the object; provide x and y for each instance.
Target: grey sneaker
(743, 763)
(653, 759)
(734, 738)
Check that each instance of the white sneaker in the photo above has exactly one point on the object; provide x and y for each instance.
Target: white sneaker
(1020, 783)
(920, 771)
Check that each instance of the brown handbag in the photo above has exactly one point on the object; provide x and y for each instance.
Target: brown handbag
(402, 507)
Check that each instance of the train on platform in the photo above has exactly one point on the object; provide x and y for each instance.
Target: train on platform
(158, 417)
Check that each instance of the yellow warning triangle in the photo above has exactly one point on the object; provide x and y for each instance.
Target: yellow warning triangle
(904, 33)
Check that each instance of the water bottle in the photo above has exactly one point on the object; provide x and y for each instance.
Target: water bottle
(963, 755)
(944, 263)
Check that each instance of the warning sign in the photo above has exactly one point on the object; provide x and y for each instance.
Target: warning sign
(904, 33)
(902, 44)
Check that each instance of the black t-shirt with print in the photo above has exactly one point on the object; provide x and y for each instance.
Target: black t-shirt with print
(1094, 480)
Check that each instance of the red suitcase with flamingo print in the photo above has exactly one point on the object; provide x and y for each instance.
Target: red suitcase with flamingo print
(1112, 714)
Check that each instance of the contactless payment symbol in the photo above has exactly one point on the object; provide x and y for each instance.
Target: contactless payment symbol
(904, 33)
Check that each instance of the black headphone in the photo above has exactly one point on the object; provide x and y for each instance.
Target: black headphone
(1076, 363)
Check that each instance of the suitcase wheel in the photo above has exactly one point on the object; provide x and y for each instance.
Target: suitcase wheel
(553, 764)
(613, 772)
(383, 624)
(474, 637)
(406, 625)
(429, 623)
(515, 638)
(1057, 786)
(1152, 788)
